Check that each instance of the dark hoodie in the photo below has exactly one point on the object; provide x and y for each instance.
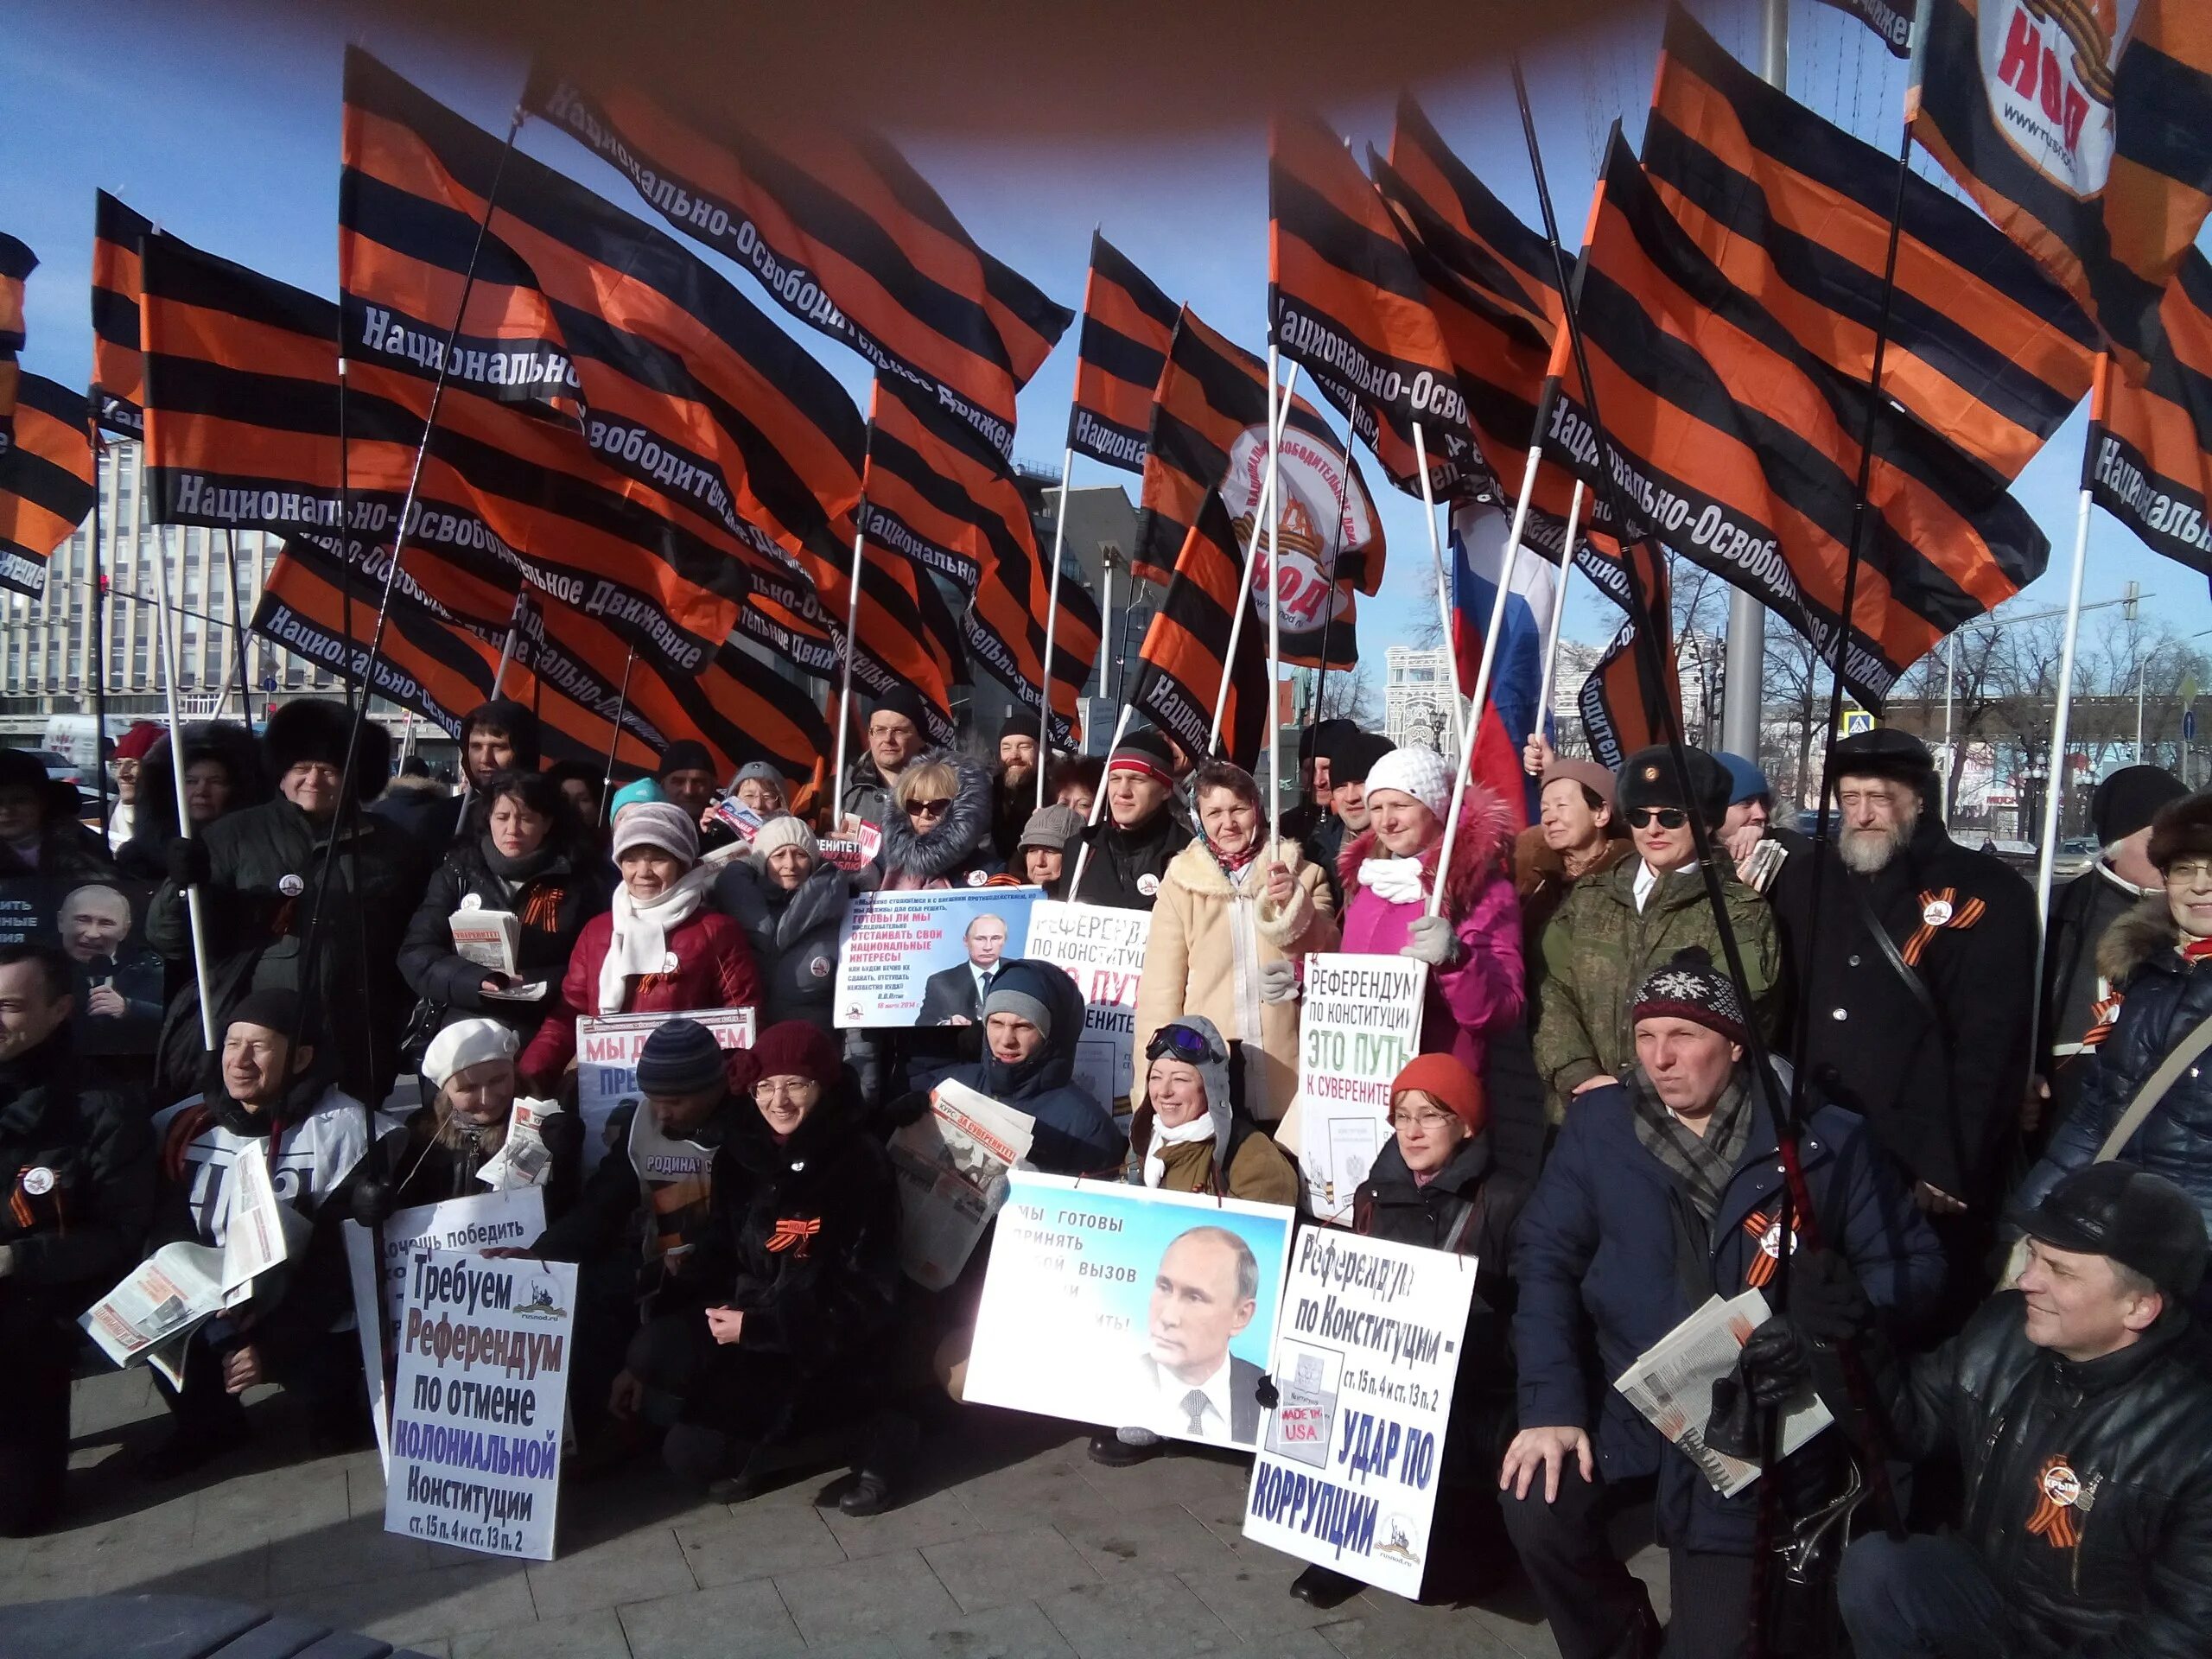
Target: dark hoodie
(434, 821)
(1125, 867)
(957, 853)
(1075, 1134)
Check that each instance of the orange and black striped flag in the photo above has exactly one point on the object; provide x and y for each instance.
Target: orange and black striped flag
(16, 263)
(2084, 129)
(1346, 301)
(2149, 461)
(46, 481)
(119, 373)
(844, 234)
(1625, 706)
(1740, 450)
(939, 496)
(1210, 432)
(242, 408)
(1185, 653)
(1127, 324)
(1983, 345)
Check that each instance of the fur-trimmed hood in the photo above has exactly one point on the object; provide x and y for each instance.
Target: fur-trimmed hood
(1477, 852)
(961, 834)
(2143, 933)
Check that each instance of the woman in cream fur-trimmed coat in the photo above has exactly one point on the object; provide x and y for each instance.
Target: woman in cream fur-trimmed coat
(1225, 931)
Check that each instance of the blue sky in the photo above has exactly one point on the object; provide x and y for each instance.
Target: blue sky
(220, 122)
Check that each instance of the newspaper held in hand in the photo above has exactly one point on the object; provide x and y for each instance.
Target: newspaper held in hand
(522, 1158)
(951, 1165)
(1671, 1383)
(165, 1298)
(735, 815)
(487, 938)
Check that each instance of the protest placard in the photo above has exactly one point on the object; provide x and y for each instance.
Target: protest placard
(1103, 951)
(505, 1220)
(913, 959)
(1129, 1307)
(100, 924)
(608, 1047)
(1358, 1026)
(951, 1165)
(1367, 1348)
(484, 1353)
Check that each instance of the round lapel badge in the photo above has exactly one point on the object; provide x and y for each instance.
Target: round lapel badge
(38, 1180)
(290, 885)
(472, 901)
(1147, 885)
(668, 962)
(1936, 912)
(2061, 1486)
(976, 878)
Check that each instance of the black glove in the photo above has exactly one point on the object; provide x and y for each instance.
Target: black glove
(1732, 1426)
(187, 862)
(1775, 1363)
(1826, 1302)
(564, 1135)
(372, 1202)
(1263, 1390)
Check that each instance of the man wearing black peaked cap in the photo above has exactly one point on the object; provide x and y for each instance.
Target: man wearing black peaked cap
(1915, 990)
(2079, 1407)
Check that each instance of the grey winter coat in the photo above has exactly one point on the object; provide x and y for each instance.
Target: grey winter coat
(793, 934)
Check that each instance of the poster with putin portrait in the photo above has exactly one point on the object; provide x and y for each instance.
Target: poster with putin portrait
(927, 958)
(117, 980)
(1127, 1306)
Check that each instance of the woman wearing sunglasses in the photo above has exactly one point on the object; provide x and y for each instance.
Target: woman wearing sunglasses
(1233, 916)
(1614, 929)
(1474, 946)
(938, 833)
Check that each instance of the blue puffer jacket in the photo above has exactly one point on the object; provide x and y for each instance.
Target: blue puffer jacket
(1597, 1245)
(1075, 1134)
(2163, 998)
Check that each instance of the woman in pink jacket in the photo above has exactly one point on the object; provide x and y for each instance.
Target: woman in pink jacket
(1473, 948)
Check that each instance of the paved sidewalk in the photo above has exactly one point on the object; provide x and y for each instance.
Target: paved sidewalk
(1013, 1544)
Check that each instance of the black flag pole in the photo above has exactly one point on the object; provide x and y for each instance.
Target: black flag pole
(1794, 1195)
(237, 628)
(367, 671)
(614, 743)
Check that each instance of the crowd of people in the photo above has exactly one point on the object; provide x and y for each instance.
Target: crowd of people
(1671, 1048)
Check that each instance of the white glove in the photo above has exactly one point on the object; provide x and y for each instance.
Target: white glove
(1430, 940)
(1278, 982)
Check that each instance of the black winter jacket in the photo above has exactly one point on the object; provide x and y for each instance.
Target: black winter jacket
(1941, 1095)
(2083, 912)
(1126, 867)
(552, 906)
(256, 931)
(2134, 1429)
(81, 1225)
(804, 1237)
(2165, 998)
(794, 938)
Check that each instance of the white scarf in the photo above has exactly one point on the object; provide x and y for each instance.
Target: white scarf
(1207, 1126)
(639, 943)
(1394, 880)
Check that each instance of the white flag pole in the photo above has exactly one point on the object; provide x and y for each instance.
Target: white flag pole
(1482, 670)
(1098, 802)
(1465, 733)
(1052, 625)
(852, 644)
(1278, 414)
(2055, 787)
(1558, 612)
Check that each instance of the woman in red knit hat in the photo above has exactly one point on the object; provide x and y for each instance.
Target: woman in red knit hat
(1434, 1185)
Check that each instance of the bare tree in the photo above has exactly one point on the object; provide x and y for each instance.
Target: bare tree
(1353, 695)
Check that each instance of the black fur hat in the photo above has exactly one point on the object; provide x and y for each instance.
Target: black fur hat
(313, 728)
(2182, 828)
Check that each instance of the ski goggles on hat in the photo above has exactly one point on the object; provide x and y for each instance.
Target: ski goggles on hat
(1669, 817)
(1182, 1043)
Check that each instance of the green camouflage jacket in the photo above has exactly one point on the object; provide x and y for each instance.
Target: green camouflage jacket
(1598, 948)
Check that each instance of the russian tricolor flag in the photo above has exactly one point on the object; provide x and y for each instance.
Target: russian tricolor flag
(1480, 533)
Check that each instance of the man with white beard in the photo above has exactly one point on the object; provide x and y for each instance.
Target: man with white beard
(1914, 991)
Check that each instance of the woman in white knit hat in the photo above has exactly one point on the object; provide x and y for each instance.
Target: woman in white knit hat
(790, 901)
(660, 949)
(466, 1141)
(1473, 946)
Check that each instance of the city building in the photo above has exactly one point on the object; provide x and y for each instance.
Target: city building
(46, 643)
(1417, 699)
